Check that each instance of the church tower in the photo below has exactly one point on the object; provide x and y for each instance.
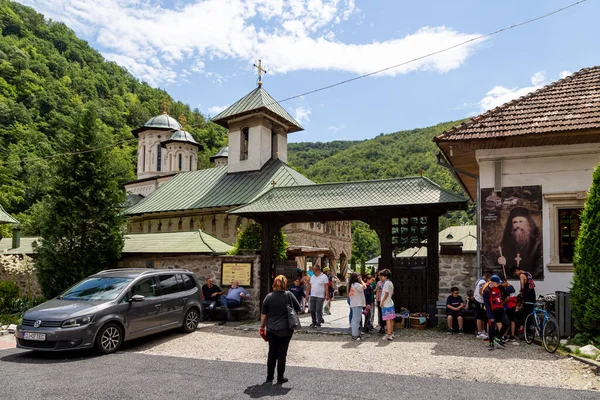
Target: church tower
(258, 127)
(164, 147)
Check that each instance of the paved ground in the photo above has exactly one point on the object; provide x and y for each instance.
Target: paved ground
(221, 362)
(128, 375)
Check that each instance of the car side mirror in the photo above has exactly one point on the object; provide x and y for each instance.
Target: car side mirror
(136, 298)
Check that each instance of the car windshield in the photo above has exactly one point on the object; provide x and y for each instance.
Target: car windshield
(97, 288)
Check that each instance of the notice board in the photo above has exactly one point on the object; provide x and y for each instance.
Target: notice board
(236, 271)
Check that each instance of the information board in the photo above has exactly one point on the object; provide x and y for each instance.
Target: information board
(241, 272)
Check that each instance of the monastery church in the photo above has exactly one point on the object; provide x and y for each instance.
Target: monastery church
(172, 195)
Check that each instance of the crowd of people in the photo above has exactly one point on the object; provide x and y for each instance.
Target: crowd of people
(498, 309)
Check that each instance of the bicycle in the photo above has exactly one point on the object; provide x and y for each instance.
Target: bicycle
(546, 328)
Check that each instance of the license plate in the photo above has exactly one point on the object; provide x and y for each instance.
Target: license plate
(34, 336)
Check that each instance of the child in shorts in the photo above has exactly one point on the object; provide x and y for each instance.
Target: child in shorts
(388, 313)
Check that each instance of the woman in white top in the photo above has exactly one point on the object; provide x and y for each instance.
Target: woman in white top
(356, 289)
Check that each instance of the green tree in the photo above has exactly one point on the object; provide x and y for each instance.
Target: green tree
(365, 242)
(585, 293)
(250, 238)
(81, 228)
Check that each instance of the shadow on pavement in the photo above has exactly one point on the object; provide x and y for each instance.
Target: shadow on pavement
(34, 357)
(265, 389)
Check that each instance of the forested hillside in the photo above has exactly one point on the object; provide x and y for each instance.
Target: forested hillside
(47, 77)
(404, 153)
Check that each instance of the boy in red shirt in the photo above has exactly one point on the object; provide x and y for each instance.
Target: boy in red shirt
(510, 307)
(494, 305)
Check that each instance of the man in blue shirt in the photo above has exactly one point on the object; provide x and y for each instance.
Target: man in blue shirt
(233, 299)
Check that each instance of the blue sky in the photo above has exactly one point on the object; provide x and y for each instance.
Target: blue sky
(201, 52)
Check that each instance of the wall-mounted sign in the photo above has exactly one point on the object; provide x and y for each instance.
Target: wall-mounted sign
(241, 272)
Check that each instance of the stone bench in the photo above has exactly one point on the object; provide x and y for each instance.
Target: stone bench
(469, 321)
(231, 311)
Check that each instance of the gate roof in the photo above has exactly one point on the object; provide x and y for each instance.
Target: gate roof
(369, 197)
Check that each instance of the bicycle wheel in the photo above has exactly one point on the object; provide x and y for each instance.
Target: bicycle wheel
(550, 336)
(529, 328)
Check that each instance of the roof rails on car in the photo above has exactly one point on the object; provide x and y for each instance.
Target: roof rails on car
(149, 270)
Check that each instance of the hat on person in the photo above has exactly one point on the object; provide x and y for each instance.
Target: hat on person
(496, 278)
(519, 212)
(326, 269)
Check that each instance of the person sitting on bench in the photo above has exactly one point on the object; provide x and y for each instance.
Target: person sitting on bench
(210, 294)
(233, 299)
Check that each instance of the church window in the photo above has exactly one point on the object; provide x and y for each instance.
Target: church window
(274, 150)
(244, 144)
(158, 158)
(180, 224)
(191, 158)
(143, 158)
(180, 161)
(569, 222)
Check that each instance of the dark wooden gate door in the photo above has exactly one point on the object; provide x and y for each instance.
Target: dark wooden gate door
(409, 275)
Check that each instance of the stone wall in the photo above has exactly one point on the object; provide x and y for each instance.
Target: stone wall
(204, 267)
(21, 281)
(459, 271)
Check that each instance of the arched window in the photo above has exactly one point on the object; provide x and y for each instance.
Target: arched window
(244, 144)
(158, 157)
(143, 158)
(180, 161)
(191, 158)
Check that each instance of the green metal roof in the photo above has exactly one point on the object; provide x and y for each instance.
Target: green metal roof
(175, 242)
(214, 187)
(170, 242)
(26, 245)
(351, 195)
(5, 217)
(257, 100)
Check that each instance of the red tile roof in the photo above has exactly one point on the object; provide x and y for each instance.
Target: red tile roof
(572, 103)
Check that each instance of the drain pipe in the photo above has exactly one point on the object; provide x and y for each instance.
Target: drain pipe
(441, 161)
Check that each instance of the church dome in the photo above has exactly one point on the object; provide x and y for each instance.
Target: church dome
(182, 137)
(224, 152)
(162, 121)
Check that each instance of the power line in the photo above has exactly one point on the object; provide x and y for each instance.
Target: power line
(80, 152)
(368, 74)
(435, 52)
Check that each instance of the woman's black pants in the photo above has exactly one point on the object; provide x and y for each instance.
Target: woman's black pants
(278, 348)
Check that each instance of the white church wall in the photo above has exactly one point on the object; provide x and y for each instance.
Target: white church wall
(282, 146)
(558, 169)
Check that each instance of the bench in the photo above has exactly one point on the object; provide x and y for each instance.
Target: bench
(469, 321)
(230, 311)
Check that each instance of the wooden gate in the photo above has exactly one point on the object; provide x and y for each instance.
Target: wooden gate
(409, 275)
(286, 268)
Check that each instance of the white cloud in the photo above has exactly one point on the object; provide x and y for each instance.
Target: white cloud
(500, 95)
(214, 110)
(152, 40)
(302, 114)
(564, 74)
(336, 129)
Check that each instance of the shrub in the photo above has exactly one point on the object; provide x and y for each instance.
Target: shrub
(585, 296)
(251, 239)
(9, 292)
(9, 319)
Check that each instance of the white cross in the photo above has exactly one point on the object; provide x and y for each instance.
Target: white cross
(518, 259)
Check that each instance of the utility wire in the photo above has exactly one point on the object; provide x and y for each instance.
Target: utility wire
(80, 152)
(368, 74)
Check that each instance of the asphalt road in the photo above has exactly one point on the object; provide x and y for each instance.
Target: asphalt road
(126, 375)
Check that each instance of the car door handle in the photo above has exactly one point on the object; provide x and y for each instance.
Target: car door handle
(157, 306)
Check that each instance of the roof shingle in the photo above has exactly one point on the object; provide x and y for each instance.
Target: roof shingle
(571, 103)
(257, 100)
(5, 218)
(214, 187)
(350, 195)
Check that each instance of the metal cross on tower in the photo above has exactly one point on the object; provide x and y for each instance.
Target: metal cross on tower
(261, 71)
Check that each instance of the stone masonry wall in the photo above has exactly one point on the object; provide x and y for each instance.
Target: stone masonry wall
(204, 267)
(21, 281)
(459, 271)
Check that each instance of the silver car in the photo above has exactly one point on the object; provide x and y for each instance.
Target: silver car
(112, 306)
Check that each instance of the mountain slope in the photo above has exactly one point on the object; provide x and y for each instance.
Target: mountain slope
(47, 76)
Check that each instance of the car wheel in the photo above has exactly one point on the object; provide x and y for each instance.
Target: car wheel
(109, 338)
(190, 321)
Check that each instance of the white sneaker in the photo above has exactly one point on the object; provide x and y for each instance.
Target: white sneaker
(482, 335)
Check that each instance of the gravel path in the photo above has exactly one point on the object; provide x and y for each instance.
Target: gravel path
(419, 353)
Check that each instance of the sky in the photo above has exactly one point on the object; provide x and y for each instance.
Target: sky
(202, 53)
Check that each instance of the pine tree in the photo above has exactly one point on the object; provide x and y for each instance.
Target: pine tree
(585, 293)
(82, 227)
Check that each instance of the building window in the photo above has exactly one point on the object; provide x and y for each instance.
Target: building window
(569, 222)
(274, 149)
(180, 161)
(564, 212)
(191, 159)
(143, 158)
(158, 158)
(244, 144)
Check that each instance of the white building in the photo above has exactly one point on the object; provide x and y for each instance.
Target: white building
(537, 153)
